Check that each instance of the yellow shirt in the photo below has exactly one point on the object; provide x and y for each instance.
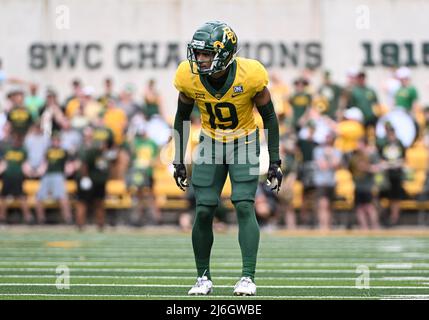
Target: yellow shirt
(116, 120)
(226, 114)
(279, 96)
(348, 135)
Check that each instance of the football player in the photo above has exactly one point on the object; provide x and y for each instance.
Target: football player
(225, 89)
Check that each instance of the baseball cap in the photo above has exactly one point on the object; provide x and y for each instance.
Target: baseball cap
(354, 113)
(403, 73)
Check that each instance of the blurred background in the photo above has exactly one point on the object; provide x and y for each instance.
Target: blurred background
(349, 81)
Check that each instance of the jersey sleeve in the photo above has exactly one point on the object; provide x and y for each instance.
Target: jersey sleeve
(181, 76)
(260, 77)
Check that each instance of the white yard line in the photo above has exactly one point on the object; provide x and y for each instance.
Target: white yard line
(149, 296)
(395, 266)
(260, 279)
(187, 286)
(406, 296)
(179, 270)
(237, 264)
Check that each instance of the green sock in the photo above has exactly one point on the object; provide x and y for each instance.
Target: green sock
(248, 236)
(202, 238)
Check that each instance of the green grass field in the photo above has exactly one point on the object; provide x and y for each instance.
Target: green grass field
(158, 264)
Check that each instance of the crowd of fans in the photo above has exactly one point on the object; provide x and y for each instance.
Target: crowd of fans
(92, 138)
(87, 138)
(345, 127)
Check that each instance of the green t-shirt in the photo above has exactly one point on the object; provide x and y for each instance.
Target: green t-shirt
(332, 93)
(14, 157)
(98, 164)
(34, 104)
(145, 150)
(391, 152)
(306, 147)
(103, 134)
(299, 102)
(364, 98)
(405, 97)
(56, 158)
(150, 109)
(20, 119)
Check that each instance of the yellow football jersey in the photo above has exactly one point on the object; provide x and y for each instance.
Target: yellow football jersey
(226, 114)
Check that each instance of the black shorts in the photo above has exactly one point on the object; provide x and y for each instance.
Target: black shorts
(363, 197)
(396, 192)
(326, 192)
(97, 192)
(12, 187)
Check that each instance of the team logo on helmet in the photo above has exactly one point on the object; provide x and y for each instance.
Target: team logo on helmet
(218, 44)
(227, 32)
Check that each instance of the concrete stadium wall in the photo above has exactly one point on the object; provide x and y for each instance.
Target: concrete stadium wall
(54, 41)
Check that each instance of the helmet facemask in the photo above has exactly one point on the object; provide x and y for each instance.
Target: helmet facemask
(221, 60)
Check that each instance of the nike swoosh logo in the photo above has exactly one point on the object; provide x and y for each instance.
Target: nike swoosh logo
(247, 142)
(234, 95)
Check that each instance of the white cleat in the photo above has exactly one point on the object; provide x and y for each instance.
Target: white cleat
(202, 287)
(245, 287)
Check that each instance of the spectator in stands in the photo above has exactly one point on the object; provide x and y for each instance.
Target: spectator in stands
(406, 96)
(127, 103)
(93, 108)
(52, 117)
(327, 160)
(391, 86)
(34, 102)
(285, 196)
(71, 138)
(5, 78)
(79, 120)
(365, 98)
(306, 168)
(92, 179)
(332, 93)
(152, 101)
(13, 169)
(55, 167)
(137, 120)
(266, 205)
(140, 175)
(75, 96)
(392, 153)
(19, 118)
(116, 120)
(349, 131)
(363, 165)
(101, 135)
(35, 144)
(280, 96)
(108, 94)
(300, 101)
(85, 104)
(346, 94)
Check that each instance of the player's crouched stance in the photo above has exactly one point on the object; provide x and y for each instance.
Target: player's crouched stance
(225, 89)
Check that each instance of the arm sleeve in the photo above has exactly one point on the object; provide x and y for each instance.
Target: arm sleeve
(181, 130)
(269, 119)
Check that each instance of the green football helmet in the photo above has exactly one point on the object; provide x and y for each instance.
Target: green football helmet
(216, 38)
